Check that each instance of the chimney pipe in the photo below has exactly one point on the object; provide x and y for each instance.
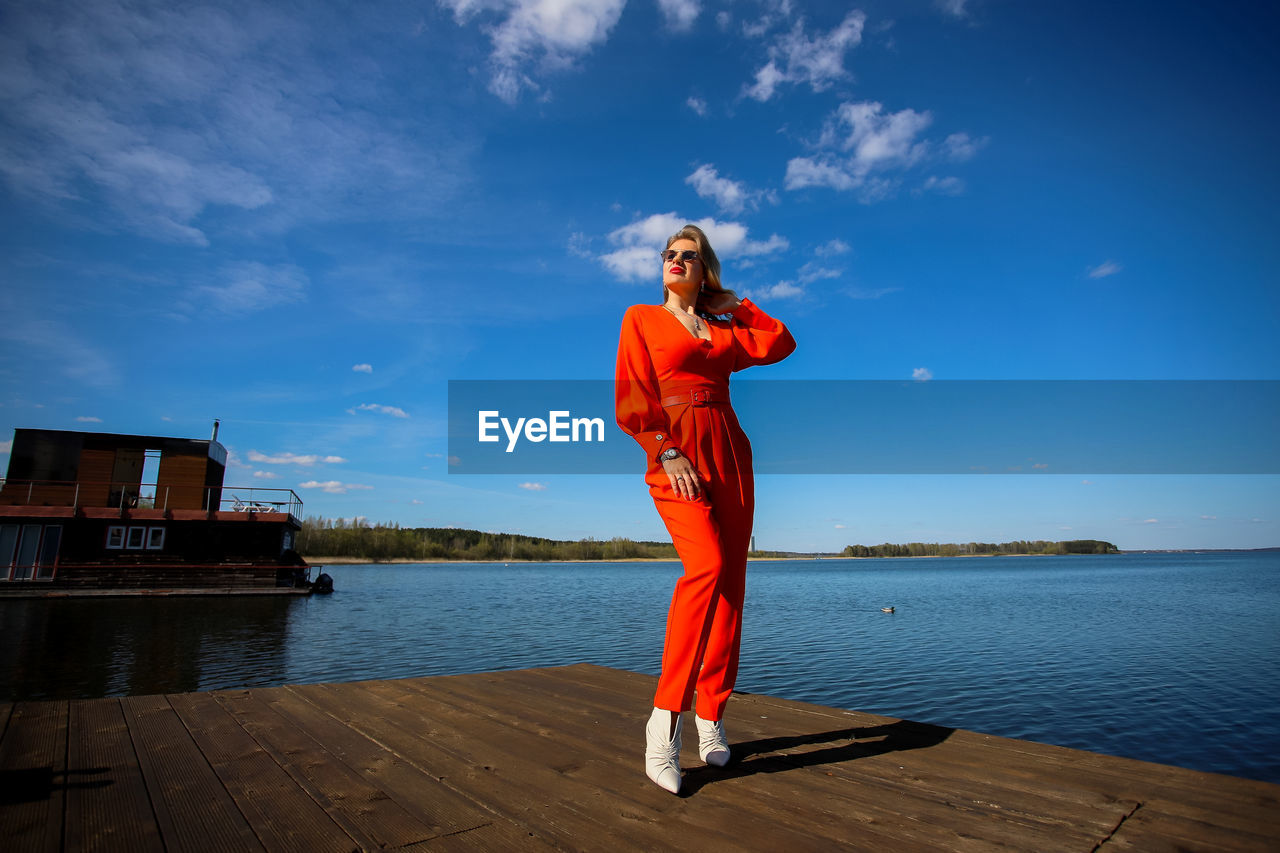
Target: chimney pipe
(214, 437)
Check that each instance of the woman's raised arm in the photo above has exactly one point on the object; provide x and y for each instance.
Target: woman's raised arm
(758, 338)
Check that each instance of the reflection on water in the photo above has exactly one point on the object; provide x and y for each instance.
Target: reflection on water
(1164, 657)
(75, 648)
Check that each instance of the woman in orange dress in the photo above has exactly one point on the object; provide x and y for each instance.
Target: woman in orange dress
(672, 395)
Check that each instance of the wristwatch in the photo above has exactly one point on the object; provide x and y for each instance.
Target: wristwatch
(668, 454)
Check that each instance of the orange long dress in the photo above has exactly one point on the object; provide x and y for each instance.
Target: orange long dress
(672, 390)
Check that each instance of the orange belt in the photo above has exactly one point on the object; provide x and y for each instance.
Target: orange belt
(697, 397)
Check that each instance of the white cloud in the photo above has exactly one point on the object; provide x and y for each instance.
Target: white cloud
(6, 446)
(797, 58)
(333, 487)
(580, 245)
(633, 263)
(961, 146)
(251, 286)
(1152, 521)
(945, 186)
(767, 79)
(805, 172)
(548, 34)
(636, 258)
(954, 8)
(723, 19)
(698, 105)
(394, 411)
(833, 247)
(362, 368)
(751, 248)
(811, 272)
(922, 374)
(782, 290)
(680, 14)
(1104, 269)
(862, 145)
(293, 459)
(870, 292)
(1209, 517)
(266, 475)
(730, 196)
(877, 139)
(89, 419)
(534, 487)
(156, 117)
(839, 527)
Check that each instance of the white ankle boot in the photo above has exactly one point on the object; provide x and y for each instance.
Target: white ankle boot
(662, 751)
(713, 746)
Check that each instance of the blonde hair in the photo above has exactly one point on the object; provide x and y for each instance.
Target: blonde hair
(710, 263)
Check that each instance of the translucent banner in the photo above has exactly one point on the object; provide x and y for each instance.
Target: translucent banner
(890, 427)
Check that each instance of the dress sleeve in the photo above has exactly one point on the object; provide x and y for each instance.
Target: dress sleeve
(758, 338)
(637, 399)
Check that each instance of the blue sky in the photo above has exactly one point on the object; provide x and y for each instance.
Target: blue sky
(304, 219)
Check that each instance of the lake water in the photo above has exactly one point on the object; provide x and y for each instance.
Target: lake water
(1164, 657)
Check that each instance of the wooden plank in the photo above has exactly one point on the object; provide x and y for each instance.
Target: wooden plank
(553, 758)
(280, 813)
(365, 812)
(921, 817)
(322, 715)
(33, 765)
(438, 748)
(193, 809)
(1162, 825)
(482, 762)
(108, 807)
(966, 761)
(970, 808)
(553, 755)
(496, 837)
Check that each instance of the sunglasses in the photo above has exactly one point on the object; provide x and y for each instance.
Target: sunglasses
(687, 255)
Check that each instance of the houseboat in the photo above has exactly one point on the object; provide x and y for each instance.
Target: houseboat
(79, 517)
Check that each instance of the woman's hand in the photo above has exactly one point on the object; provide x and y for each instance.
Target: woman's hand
(719, 301)
(685, 481)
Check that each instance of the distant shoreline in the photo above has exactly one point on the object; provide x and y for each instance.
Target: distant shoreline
(364, 561)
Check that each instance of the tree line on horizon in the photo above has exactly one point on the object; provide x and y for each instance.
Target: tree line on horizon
(357, 539)
(328, 537)
(951, 549)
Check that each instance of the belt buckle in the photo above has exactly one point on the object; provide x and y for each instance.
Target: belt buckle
(699, 395)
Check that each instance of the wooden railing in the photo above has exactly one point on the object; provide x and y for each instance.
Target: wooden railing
(134, 496)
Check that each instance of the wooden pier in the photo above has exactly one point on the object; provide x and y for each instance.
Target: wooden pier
(552, 758)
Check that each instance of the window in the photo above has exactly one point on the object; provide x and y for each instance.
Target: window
(49, 552)
(137, 538)
(155, 538)
(8, 542)
(28, 552)
(115, 537)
